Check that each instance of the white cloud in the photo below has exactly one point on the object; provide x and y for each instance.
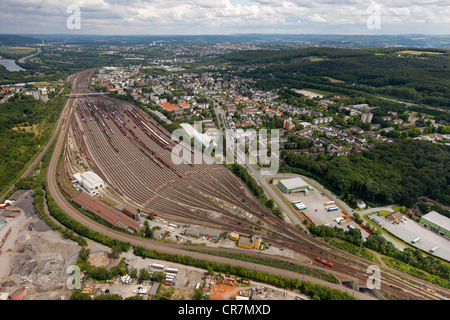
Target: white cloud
(221, 16)
(316, 18)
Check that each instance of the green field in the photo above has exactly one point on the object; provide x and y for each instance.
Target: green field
(16, 50)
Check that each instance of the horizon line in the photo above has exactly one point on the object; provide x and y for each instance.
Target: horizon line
(233, 34)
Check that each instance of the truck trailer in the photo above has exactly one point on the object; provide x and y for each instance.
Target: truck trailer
(171, 270)
(301, 206)
(157, 266)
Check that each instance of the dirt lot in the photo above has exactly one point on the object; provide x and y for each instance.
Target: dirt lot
(224, 291)
(38, 261)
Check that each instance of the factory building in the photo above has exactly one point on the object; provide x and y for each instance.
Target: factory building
(202, 232)
(250, 242)
(294, 185)
(204, 139)
(107, 213)
(437, 223)
(89, 180)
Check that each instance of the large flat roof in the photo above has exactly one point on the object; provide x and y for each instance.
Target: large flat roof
(107, 213)
(91, 178)
(437, 218)
(294, 183)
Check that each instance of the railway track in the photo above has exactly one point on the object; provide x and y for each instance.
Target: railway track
(119, 176)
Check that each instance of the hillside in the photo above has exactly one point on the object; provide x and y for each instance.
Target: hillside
(417, 75)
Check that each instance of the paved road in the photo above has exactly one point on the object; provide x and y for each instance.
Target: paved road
(22, 60)
(408, 104)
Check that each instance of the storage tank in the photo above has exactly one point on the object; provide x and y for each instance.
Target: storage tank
(17, 293)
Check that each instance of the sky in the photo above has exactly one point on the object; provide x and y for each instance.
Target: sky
(191, 17)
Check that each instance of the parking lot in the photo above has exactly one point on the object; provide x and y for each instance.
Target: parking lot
(412, 230)
(315, 203)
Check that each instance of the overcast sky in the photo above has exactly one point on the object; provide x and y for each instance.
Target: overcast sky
(187, 17)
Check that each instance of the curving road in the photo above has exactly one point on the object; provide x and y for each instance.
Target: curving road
(22, 60)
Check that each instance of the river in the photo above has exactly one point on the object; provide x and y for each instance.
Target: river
(10, 65)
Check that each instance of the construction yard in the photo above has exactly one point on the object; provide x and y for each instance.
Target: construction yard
(36, 258)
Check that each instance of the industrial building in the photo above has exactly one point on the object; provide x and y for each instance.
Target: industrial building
(294, 185)
(89, 180)
(436, 222)
(204, 139)
(107, 213)
(202, 232)
(234, 236)
(250, 242)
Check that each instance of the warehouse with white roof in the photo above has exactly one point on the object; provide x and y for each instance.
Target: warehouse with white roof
(436, 222)
(202, 138)
(89, 180)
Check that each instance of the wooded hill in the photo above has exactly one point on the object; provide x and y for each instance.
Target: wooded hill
(417, 75)
(398, 172)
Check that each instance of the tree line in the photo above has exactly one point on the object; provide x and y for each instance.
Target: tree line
(315, 291)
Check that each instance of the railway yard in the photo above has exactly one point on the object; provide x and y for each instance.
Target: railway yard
(131, 152)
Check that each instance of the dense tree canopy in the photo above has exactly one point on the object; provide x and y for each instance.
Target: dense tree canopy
(390, 173)
(420, 78)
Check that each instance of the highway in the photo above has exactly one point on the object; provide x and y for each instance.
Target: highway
(342, 269)
(22, 60)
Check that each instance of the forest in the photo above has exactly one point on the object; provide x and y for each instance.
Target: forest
(398, 172)
(27, 123)
(420, 78)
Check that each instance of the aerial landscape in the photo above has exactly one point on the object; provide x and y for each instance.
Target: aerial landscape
(250, 151)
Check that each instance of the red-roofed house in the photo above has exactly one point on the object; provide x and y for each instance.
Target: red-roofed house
(184, 105)
(168, 106)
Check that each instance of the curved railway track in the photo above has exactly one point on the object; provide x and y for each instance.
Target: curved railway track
(282, 234)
